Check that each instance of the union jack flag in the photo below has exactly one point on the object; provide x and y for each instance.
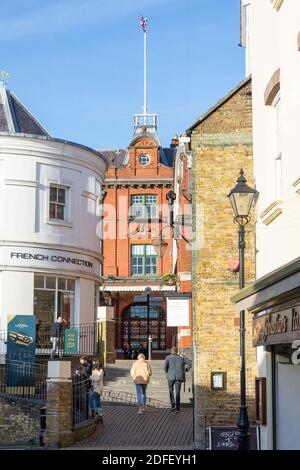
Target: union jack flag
(143, 23)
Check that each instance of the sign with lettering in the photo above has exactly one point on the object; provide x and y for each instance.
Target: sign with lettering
(226, 438)
(178, 311)
(71, 340)
(20, 355)
(277, 328)
(45, 258)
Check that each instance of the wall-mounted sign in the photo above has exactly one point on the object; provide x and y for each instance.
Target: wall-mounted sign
(45, 258)
(178, 311)
(281, 327)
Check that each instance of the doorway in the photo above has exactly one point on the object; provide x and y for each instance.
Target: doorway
(134, 326)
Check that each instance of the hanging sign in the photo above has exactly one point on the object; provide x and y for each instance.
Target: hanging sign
(71, 340)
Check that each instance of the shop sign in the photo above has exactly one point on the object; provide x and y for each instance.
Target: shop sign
(71, 340)
(281, 327)
(46, 258)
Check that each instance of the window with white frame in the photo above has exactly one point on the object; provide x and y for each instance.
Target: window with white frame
(144, 206)
(277, 147)
(54, 296)
(58, 202)
(143, 260)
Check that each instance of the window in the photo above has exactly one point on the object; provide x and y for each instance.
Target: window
(53, 296)
(57, 205)
(277, 148)
(143, 260)
(144, 159)
(144, 206)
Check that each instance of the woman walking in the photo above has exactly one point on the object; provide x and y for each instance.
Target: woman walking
(141, 372)
(96, 390)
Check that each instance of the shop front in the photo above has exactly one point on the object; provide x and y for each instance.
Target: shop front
(274, 300)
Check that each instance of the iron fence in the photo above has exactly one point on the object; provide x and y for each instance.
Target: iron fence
(83, 339)
(23, 380)
(80, 400)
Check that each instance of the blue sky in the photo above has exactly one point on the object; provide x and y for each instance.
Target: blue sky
(78, 64)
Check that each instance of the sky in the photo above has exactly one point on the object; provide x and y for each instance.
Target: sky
(78, 64)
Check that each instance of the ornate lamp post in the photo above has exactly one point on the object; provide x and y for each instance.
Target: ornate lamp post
(242, 198)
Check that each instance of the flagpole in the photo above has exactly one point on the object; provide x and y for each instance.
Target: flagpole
(145, 75)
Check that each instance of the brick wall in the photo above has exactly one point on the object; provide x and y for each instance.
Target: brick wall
(222, 145)
(19, 423)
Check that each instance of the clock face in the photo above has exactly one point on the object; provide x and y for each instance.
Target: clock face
(144, 159)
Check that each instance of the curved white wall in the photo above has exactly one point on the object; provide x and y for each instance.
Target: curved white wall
(30, 242)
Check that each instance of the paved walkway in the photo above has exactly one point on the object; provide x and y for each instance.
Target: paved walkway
(123, 429)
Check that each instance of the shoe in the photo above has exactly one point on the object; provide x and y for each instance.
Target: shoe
(174, 411)
(140, 412)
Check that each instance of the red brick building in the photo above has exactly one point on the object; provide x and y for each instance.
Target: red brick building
(138, 242)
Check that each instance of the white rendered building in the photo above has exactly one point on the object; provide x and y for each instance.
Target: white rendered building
(271, 31)
(50, 190)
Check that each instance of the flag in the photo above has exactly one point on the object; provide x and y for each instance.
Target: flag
(143, 23)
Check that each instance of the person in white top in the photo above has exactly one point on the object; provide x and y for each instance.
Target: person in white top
(96, 390)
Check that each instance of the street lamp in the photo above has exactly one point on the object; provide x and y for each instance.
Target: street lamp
(160, 246)
(242, 198)
(171, 197)
(149, 337)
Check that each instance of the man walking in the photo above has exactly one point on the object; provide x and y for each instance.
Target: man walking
(175, 372)
(56, 337)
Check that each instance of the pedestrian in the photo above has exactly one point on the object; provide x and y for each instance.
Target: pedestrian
(56, 337)
(85, 369)
(175, 373)
(140, 373)
(96, 379)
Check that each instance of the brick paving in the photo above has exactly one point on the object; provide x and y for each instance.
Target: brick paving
(123, 429)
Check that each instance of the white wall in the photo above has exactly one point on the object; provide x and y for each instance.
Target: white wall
(86, 301)
(274, 45)
(17, 295)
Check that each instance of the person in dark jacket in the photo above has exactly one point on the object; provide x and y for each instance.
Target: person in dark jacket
(85, 369)
(56, 337)
(175, 372)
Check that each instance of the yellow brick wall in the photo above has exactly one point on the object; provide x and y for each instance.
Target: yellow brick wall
(222, 145)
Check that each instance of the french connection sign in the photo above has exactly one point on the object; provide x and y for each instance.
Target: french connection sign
(53, 259)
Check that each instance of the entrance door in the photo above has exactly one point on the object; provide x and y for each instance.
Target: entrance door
(288, 409)
(135, 326)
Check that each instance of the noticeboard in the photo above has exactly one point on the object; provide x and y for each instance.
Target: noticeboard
(226, 438)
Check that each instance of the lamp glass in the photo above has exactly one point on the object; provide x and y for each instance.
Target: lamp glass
(241, 203)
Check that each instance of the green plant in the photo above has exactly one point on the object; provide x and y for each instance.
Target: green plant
(168, 279)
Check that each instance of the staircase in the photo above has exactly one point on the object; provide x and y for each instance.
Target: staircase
(118, 385)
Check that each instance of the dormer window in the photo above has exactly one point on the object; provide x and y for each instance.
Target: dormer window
(144, 159)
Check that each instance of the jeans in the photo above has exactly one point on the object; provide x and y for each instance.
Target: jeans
(141, 393)
(175, 403)
(56, 347)
(94, 401)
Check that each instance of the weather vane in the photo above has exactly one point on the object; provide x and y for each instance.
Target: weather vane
(4, 76)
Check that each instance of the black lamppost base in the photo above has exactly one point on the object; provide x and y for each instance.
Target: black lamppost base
(243, 429)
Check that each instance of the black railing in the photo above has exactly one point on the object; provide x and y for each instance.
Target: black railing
(80, 400)
(81, 339)
(23, 380)
(78, 339)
